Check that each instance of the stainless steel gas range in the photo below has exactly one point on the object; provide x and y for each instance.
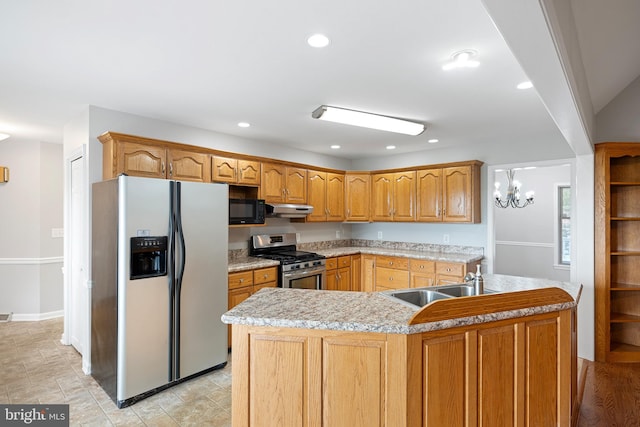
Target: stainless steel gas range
(298, 269)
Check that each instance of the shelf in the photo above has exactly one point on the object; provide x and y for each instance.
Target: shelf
(626, 253)
(624, 183)
(624, 287)
(624, 318)
(621, 218)
(618, 347)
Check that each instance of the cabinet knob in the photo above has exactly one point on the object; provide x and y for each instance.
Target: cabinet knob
(422, 266)
(171, 169)
(448, 269)
(266, 275)
(162, 168)
(241, 280)
(391, 279)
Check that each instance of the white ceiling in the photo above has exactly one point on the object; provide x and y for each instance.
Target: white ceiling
(213, 63)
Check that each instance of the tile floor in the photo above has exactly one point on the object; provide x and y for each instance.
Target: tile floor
(36, 368)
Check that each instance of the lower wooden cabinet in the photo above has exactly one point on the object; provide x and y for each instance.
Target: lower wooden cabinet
(509, 372)
(338, 277)
(381, 273)
(243, 284)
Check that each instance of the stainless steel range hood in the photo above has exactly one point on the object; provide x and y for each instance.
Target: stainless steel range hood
(288, 210)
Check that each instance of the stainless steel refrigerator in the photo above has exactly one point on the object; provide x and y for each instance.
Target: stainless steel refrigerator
(159, 283)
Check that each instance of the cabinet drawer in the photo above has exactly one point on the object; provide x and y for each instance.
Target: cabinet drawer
(391, 278)
(450, 269)
(265, 275)
(240, 279)
(332, 263)
(392, 262)
(344, 261)
(422, 266)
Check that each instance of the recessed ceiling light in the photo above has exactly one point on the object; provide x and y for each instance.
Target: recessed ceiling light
(433, 141)
(4, 136)
(335, 147)
(525, 85)
(462, 59)
(391, 147)
(318, 40)
(244, 125)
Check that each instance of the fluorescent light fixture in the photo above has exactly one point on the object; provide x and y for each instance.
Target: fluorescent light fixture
(318, 40)
(4, 136)
(367, 120)
(525, 85)
(462, 59)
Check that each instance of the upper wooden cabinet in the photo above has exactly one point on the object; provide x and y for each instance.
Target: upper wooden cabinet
(235, 171)
(357, 191)
(450, 194)
(393, 196)
(151, 158)
(326, 195)
(283, 184)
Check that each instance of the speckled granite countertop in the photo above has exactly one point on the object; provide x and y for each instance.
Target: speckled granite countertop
(371, 311)
(250, 263)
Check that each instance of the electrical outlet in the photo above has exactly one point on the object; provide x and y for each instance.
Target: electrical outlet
(57, 232)
(379, 235)
(337, 234)
(297, 237)
(445, 239)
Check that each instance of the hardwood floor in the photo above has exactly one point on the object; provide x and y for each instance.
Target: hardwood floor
(610, 394)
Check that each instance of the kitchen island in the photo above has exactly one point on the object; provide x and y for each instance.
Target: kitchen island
(305, 357)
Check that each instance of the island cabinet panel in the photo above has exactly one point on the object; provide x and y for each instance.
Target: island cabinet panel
(510, 372)
(354, 381)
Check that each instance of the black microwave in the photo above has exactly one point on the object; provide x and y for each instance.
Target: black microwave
(246, 211)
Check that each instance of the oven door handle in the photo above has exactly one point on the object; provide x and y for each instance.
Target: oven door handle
(305, 272)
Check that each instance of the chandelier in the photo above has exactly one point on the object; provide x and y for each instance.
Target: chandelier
(513, 193)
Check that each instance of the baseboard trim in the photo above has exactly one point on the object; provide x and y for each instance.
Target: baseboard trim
(36, 316)
(31, 261)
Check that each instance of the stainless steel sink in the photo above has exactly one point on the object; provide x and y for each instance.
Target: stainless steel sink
(416, 297)
(419, 297)
(457, 290)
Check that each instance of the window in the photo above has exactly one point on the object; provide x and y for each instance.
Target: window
(564, 224)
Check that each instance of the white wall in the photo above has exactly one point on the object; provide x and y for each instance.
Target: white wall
(525, 239)
(31, 279)
(618, 121)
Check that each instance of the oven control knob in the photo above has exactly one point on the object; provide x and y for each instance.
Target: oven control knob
(306, 264)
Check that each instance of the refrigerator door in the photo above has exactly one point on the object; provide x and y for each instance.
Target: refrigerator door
(203, 293)
(143, 304)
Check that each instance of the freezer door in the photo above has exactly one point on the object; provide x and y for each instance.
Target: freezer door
(203, 296)
(143, 304)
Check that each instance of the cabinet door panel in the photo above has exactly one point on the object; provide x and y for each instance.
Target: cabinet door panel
(317, 196)
(272, 183)
(381, 197)
(444, 381)
(354, 379)
(248, 172)
(496, 376)
(404, 196)
(296, 188)
(457, 194)
(357, 197)
(277, 367)
(335, 197)
(189, 166)
(142, 160)
(429, 195)
(224, 169)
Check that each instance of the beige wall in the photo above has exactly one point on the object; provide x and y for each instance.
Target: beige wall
(31, 205)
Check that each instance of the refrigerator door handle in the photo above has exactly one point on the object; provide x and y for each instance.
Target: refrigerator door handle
(172, 278)
(180, 265)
